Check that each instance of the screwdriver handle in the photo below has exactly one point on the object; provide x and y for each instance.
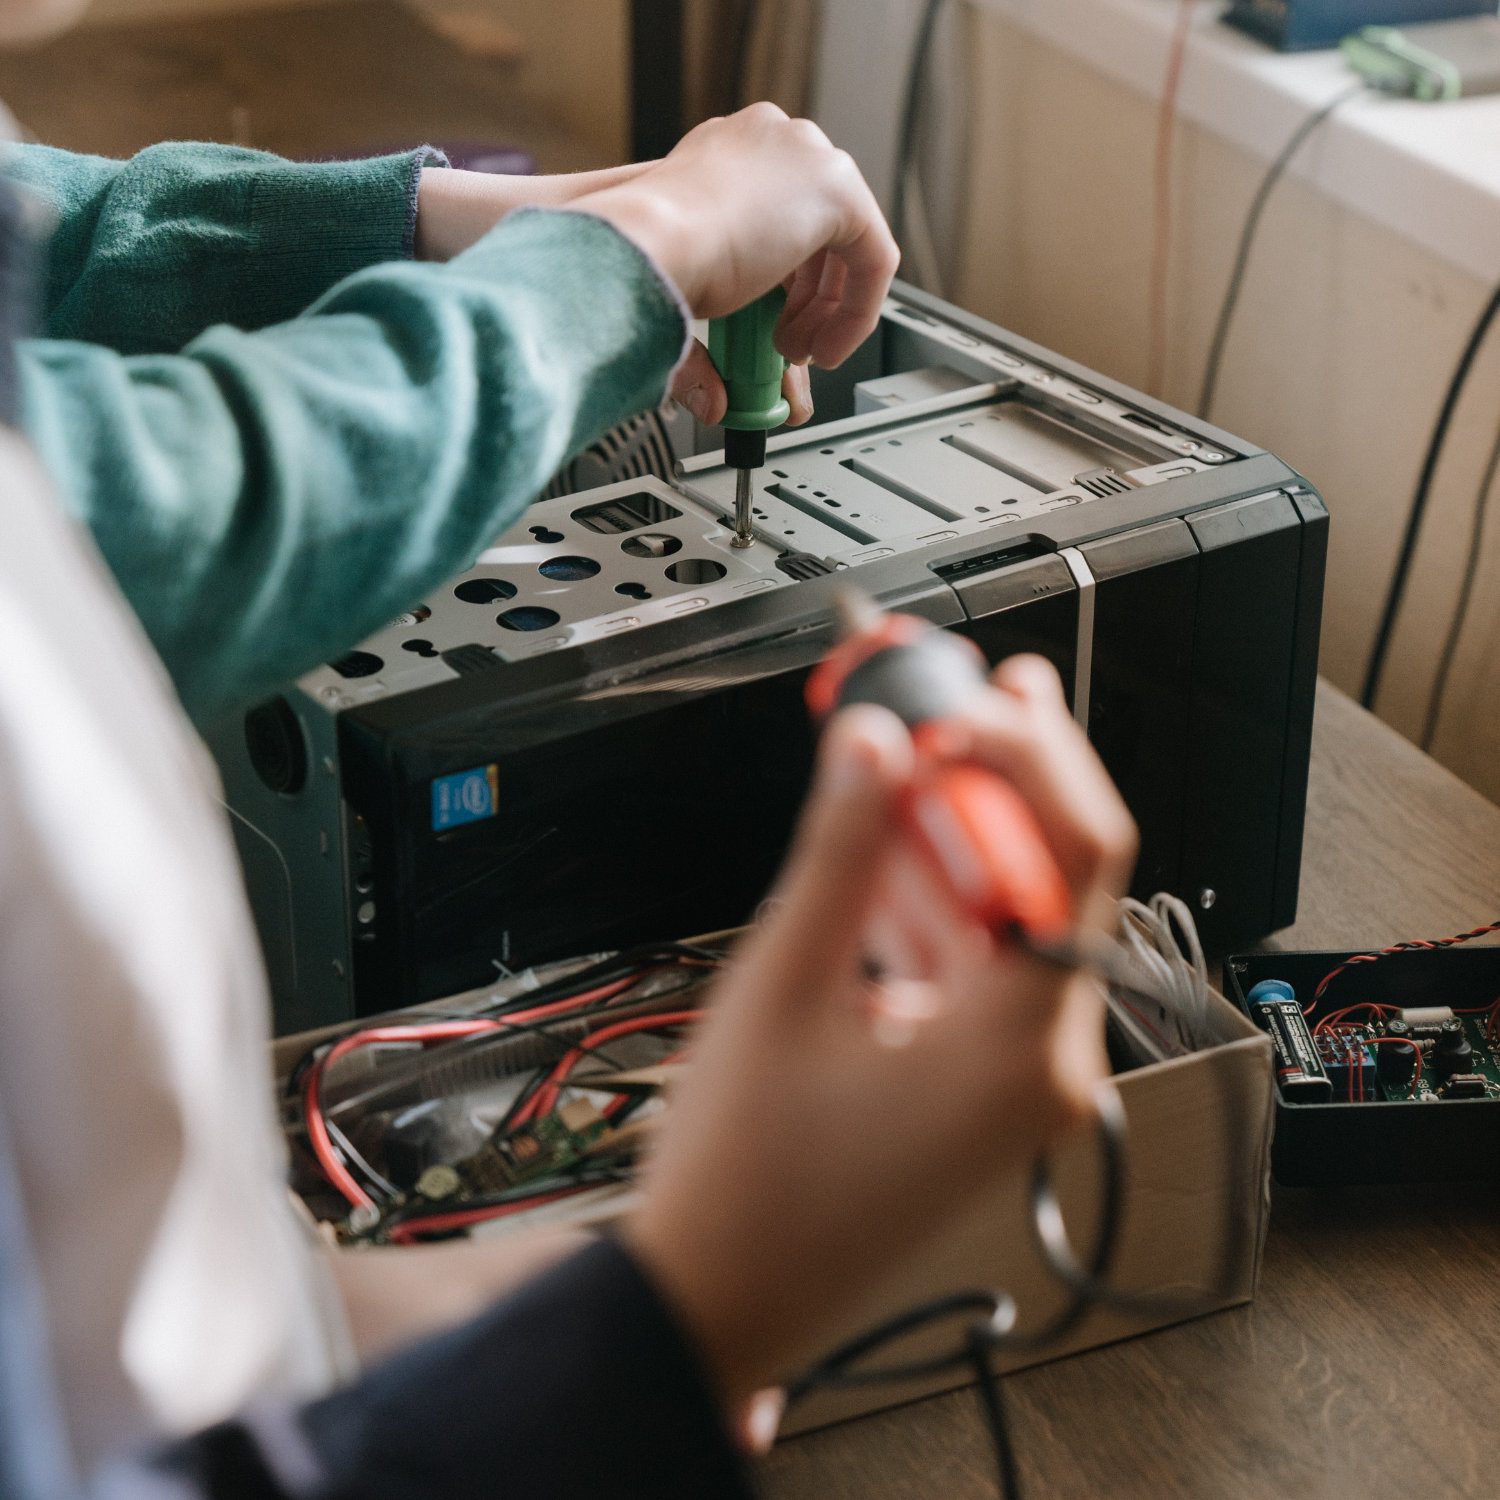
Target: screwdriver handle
(982, 840)
(743, 349)
(977, 833)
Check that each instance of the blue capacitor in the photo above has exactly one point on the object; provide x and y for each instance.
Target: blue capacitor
(1270, 989)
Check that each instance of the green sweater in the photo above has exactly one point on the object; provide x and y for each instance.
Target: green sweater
(282, 431)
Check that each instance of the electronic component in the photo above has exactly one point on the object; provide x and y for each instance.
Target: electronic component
(1426, 1020)
(1463, 1086)
(1299, 1069)
(1452, 1052)
(1349, 1064)
(1396, 1065)
(540, 1149)
(595, 735)
(1428, 1012)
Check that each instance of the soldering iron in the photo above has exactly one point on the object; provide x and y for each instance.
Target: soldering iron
(743, 349)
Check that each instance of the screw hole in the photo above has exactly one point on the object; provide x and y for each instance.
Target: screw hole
(484, 590)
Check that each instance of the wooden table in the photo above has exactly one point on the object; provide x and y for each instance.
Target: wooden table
(1369, 1365)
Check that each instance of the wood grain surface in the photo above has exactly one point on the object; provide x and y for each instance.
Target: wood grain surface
(1369, 1365)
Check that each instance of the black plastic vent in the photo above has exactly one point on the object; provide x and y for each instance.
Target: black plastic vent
(1101, 483)
(803, 565)
(469, 660)
(987, 562)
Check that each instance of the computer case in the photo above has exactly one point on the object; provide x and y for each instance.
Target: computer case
(595, 736)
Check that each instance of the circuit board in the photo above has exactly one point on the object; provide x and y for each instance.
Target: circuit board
(1368, 1056)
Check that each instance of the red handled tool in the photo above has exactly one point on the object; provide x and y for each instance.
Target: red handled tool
(979, 834)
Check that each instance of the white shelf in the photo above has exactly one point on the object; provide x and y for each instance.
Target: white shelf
(1431, 172)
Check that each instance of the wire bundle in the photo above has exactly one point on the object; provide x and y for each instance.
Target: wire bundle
(1415, 945)
(561, 1014)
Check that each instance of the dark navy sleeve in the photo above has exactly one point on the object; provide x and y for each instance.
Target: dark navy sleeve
(581, 1384)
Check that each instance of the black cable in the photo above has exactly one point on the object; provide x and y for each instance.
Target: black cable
(990, 1394)
(1248, 235)
(1392, 610)
(1465, 595)
(1086, 1279)
(911, 110)
(847, 1365)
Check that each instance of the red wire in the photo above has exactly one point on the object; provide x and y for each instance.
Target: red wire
(1336, 1018)
(1414, 946)
(544, 1101)
(423, 1034)
(404, 1234)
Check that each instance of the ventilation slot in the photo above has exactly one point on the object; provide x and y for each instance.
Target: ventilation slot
(832, 518)
(987, 562)
(626, 513)
(1101, 483)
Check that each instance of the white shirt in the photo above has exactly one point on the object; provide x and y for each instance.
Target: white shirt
(134, 1068)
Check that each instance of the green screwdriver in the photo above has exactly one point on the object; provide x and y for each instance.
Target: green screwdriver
(744, 353)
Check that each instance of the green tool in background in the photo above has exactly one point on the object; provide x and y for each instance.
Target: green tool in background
(1438, 61)
(743, 350)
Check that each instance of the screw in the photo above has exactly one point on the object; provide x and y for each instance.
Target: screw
(1208, 898)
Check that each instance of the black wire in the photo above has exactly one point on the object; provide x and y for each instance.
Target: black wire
(911, 110)
(1465, 594)
(1086, 1280)
(990, 1394)
(617, 966)
(995, 1331)
(1392, 610)
(1247, 242)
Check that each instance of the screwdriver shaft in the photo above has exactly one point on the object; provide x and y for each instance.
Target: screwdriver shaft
(744, 491)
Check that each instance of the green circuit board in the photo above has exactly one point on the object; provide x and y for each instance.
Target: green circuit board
(1346, 1062)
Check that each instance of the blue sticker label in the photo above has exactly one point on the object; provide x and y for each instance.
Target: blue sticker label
(465, 797)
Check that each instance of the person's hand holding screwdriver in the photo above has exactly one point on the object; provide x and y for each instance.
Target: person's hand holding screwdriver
(748, 202)
(832, 1124)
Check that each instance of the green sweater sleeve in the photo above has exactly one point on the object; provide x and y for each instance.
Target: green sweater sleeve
(147, 253)
(266, 499)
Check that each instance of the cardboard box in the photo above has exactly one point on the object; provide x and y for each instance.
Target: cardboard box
(1196, 1204)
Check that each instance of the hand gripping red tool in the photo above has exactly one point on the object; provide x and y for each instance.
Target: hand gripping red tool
(976, 831)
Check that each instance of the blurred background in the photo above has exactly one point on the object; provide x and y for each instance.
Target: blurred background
(1080, 171)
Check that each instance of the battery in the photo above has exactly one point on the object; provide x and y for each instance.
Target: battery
(1299, 1070)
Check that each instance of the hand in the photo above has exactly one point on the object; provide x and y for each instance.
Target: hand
(698, 385)
(756, 200)
(455, 209)
(831, 1125)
